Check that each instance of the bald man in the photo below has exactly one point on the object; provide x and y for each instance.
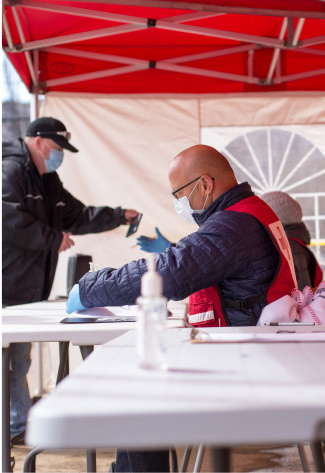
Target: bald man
(236, 262)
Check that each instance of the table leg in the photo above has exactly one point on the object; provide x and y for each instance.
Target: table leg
(186, 458)
(91, 454)
(30, 462)
(39, 369)
(303, 457)
(6, 466)
(221, 459)
(174, 462)
(91, 461)
(63, 368)
(86, 350)
(316, 448)
(199, 458)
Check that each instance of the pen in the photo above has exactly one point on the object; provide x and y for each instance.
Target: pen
(149, 239)
(275, 324)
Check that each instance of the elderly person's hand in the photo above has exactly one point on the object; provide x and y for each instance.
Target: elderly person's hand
(130, 214)
(66, 242)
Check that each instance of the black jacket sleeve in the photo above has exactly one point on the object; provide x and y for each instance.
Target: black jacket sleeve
(80, 219)
(19, 227)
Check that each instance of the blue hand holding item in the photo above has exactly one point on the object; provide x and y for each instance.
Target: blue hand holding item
(74, 303)
(153, 245)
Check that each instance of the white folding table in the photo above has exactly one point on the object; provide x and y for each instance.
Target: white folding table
(40, 322)
(218, 394)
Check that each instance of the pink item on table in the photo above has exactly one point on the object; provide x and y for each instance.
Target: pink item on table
(314, 309)
(282, 310)
(302, 306)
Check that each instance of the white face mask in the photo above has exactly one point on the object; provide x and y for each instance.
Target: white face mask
(184, 209)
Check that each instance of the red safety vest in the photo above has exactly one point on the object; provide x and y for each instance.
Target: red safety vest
(207, 307)
(314, 269)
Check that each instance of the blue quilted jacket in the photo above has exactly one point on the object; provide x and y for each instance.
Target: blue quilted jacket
(231, 249)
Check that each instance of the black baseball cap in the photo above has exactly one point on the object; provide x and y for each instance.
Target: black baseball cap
(48, 127)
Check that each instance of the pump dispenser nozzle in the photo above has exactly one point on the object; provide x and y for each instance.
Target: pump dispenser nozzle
(151, 282)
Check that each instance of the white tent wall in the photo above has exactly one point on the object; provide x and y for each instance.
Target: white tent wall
(126, 145)
(263, 110)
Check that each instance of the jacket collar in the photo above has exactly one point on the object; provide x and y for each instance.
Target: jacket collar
(28, 159)
(299, 231)
(225, 200)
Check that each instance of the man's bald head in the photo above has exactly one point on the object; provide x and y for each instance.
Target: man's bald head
(202, 160)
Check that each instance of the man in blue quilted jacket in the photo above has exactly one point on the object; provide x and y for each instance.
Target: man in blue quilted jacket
(230, 249)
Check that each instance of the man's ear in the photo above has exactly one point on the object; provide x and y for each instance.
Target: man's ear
(37, 142)
(207, 183)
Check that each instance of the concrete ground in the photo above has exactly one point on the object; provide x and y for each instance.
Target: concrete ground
(269, 458)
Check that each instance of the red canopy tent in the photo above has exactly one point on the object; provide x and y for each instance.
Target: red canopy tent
(162, 46)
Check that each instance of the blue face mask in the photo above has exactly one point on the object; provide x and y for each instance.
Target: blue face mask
(54, 161)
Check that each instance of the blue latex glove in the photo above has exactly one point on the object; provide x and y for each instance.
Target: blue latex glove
(154, 245)
(73, 302)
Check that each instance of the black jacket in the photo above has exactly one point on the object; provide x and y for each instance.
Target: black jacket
(35, 211)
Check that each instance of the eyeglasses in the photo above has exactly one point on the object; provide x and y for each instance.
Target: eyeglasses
(189, 183)
(183, 187)
(66, 134)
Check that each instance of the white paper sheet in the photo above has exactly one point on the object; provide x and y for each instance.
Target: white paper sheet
(124, 311)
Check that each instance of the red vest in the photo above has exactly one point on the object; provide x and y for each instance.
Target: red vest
(315, 270)
(207, 307)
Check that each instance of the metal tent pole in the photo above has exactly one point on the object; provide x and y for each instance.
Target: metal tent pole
(34, 113)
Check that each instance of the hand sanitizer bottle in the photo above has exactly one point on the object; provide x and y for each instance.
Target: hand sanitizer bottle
(152, 319)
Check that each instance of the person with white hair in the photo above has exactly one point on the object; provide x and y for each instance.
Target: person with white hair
(289, 211)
